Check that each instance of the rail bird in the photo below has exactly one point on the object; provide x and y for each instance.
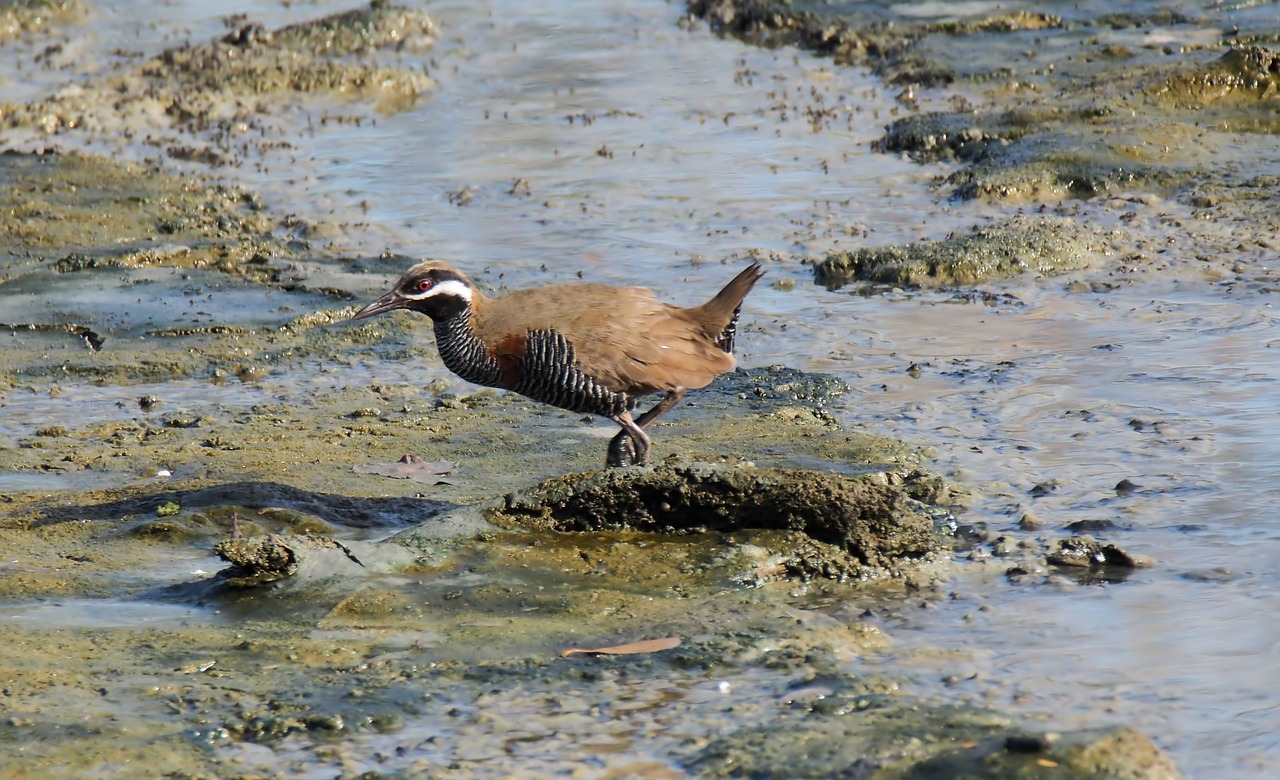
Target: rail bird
(582, 347)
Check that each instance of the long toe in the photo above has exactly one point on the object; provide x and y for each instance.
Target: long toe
(621, 451)
(638, 451)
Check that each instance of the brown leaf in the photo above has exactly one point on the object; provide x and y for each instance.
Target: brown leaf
(411, 467)
(631, 648)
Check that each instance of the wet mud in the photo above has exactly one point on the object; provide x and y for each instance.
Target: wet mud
(1044, 246)
(202, 579)
(220, 92)
(36, 17)
(1099, 104)
(867, 518)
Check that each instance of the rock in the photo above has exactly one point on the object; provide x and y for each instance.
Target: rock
(869, 518)
(1115, 753)
(1086, 552)
(307, 558)
(1018, 245)
(1126, 486)
(1088, 526)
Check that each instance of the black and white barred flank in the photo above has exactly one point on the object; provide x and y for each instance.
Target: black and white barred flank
(549, 373)
(463, 354)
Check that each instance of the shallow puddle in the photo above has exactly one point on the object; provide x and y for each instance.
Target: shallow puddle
(87, 614)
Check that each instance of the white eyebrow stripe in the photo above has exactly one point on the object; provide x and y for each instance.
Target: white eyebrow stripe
(447, 287)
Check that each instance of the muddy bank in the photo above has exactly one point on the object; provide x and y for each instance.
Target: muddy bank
(1141, 112)
(1045, 246)
(38, 17)
(362, 689)
(74, 212)
(219, 92)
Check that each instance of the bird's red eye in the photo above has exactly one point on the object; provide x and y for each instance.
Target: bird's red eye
(424, 284)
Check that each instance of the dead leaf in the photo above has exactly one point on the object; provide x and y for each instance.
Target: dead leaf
(411, 467)
(631, 648)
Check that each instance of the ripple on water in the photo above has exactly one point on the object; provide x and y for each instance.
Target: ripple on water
(104, 613)
(83, 404)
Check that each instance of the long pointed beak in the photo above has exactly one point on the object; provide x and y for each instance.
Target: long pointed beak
(388, 302)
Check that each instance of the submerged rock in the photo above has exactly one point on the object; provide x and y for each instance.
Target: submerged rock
(1086, 552)
(311, 559)
(859, 736)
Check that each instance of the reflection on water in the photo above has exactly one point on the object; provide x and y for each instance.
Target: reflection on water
(1173, 390)
(78, 404)
(102, 613)
(622, 160)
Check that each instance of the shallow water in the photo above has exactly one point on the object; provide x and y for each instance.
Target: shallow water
(1178, 386)
(104, 613)
(678, 157)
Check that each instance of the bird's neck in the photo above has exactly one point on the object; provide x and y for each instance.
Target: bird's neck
(462, 350)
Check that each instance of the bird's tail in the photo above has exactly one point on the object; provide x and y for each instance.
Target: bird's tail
(721, 312)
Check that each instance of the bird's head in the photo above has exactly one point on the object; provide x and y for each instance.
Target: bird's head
(433, 288)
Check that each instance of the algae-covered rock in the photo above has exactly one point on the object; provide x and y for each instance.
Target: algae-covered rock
(1038, 151)
(261, 558)
(1248, 74)
(1044, 245)
(209, 86)
(1110, 753)
(851, 735)
(869, 517)
(312, 560)
(25, 17)
(1086, 552)
(860, 736)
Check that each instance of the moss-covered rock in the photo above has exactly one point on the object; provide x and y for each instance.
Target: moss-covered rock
(1044, 245)
(869, 517)
(210, 86)
(850, 735)
(26, 17)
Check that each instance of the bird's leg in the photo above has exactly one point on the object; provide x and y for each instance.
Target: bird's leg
(660, 408)
(630, 446)
(627, 446)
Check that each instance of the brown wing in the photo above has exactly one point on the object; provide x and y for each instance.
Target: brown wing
(623, 337)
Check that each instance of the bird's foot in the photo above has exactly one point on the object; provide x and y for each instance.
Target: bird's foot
(617, 455)
(624, 452)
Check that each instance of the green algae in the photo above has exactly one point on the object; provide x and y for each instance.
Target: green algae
(205, 88)
(38, 17)
(1098, 118)
(1019, 245)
